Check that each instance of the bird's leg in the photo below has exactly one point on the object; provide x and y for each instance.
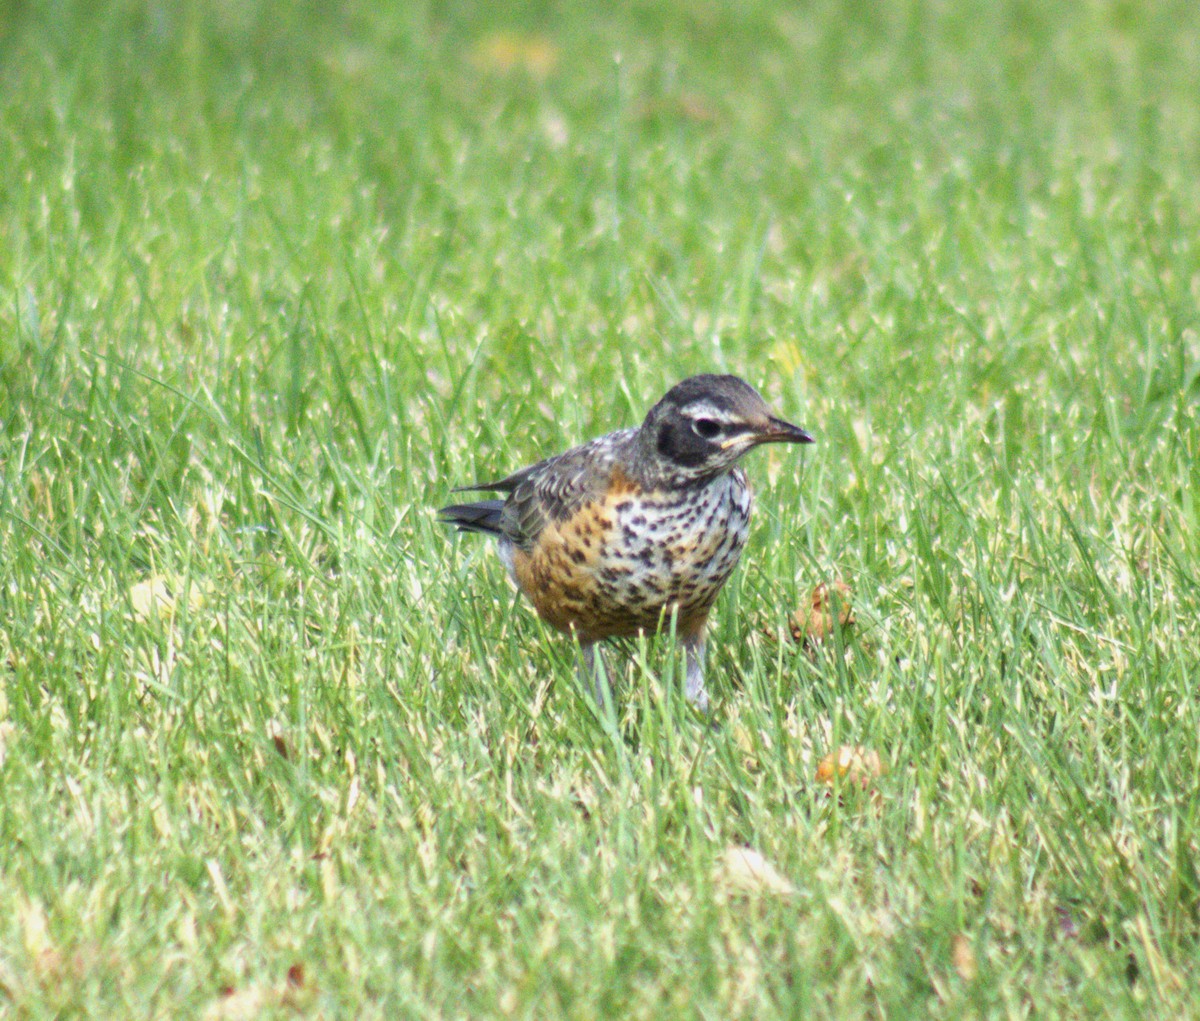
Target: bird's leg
(693, 647)
(591, 671)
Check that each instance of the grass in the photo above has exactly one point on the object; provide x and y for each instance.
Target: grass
(275, 277)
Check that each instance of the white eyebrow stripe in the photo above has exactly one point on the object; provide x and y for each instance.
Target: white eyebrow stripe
(705, 409)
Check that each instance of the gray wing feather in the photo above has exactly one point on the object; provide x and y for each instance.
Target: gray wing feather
(554, 489)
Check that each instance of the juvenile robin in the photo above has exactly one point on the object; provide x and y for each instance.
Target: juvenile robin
(639, 529)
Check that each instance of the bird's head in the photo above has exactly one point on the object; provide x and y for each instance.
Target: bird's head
(702, 426)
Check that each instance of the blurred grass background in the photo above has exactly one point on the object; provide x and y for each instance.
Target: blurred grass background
(275, 276)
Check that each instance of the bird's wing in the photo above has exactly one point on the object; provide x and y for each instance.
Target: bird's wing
(552, 490)
(506, 484)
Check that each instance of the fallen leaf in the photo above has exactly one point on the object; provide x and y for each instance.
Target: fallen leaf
(853, 763)
(511, 51)
(151, 598)
(238, 1004)
(814, 623)
(745, 743)
(261, 998)
(962, 954)
(1066, 922)
(744, 870)
(35, 928)
(7, 732)
(158, 595)
(297, 990)
(685, 106)
(278, 736)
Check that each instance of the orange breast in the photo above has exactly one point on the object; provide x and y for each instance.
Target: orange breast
(625, 563)
(559, 575)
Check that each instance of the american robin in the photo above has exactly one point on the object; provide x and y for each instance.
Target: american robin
(639, 528)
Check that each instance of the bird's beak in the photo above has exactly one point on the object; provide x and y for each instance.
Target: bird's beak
(776, 430)
(769, 430)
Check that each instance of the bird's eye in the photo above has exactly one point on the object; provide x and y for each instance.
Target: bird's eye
(706, 428)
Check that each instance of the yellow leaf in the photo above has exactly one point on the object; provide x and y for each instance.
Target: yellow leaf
(151, 598)
(512, 51)
(158, 595)
(744, 870)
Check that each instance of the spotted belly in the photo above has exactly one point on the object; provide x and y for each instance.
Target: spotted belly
(634, 560)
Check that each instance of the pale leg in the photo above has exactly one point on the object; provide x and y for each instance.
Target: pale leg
(591, 671)
(693, 646)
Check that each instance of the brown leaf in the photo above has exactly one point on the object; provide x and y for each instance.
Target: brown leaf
(854, 763)
(962, 954)
(279, 739)
(1066, 922)
(814, 623)
(297, 991)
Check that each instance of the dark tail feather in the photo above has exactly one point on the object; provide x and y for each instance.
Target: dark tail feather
(483, 516)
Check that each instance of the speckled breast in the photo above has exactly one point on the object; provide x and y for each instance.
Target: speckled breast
(629, 562)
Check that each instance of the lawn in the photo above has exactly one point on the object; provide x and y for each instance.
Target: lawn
(275, 277)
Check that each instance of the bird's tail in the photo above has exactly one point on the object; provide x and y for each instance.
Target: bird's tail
(483, 516)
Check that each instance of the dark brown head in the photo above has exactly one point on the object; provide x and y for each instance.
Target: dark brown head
(704, 424)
